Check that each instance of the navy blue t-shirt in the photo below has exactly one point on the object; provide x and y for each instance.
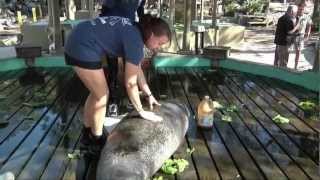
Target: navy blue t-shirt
(90, 40)
(123, 8)
(284, 25)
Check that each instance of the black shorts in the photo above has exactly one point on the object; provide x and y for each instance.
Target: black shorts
(83, 64)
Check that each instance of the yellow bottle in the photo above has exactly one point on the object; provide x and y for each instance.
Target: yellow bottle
(205, 113)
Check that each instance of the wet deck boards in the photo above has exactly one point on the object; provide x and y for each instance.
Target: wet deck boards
(35, 142)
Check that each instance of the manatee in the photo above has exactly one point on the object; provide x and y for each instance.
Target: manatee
(136, 148)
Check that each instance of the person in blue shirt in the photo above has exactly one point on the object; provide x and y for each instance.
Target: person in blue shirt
(132, 9)
(117, 36)
(123, 8)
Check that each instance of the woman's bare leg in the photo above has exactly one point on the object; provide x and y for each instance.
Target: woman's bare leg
(95, 106)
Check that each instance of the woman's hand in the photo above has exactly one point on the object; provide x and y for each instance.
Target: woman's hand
(151, 116)
(152, 101)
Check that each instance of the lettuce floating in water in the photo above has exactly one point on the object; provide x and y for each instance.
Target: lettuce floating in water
(158, 178)
(172, 166)
(190, 151)
(307, 105)
(232, 108)
(75, 155)
(217, 105)
(280, 119)
(226, 118)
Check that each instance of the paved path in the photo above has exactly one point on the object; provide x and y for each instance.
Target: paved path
(258, 47)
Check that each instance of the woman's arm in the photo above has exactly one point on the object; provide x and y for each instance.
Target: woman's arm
(131, 79)
(143, 83)
(145, 89)
(131, 76)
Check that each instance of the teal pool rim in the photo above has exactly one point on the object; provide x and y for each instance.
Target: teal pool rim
(307, 79)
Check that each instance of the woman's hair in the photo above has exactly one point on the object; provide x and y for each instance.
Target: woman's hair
(149, 24)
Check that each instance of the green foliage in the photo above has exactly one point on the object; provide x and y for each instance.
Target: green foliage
(172, 166)
(230, 7)
(190, 151)
(217, 105)
(232, 108)
(158, 178)
(307, 105)
(226, 118)
(74, 155)
(280, 119)
(243, 6)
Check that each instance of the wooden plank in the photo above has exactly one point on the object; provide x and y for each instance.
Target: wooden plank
(242, 131)
(8, 79)
(293, 92)
(221, 158)
(76, 168)
(306, 135)
(269, 112)
(295, 121)
(16, 113)
(59, 160)
(203, 161)
(289, 104)
(163, 92)
(250, 169)
(265, 133)
(59, 130)
(34, 132)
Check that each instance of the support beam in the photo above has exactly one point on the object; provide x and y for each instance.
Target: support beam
(172, 12)
(160, 7)
(54, 29)
(194, 10)
(214, 12)
(91, 8)
(316, 63)
(214, 21)
(84, 5)
(71, 9)
(187, 25)
(201, 9)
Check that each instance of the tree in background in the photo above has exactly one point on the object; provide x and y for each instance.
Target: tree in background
(316, 13)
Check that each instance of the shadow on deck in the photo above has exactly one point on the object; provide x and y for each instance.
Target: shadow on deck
(35, 141)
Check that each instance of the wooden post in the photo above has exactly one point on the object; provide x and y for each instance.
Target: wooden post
(19, 18)
(187, 25)
(34, 15)
(194, 10)
(214, 21)
(54, 34)
(172, 12)
(214, 12)
(84, 5)
(160, 8)
(91, 8)
(71, 9)
(316, 62)
(40, 11)
(201, 10)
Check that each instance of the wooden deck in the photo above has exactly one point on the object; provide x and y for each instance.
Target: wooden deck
(35, 142)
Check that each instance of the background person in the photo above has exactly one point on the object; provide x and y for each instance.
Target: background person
(285, 27)
(303, 32)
